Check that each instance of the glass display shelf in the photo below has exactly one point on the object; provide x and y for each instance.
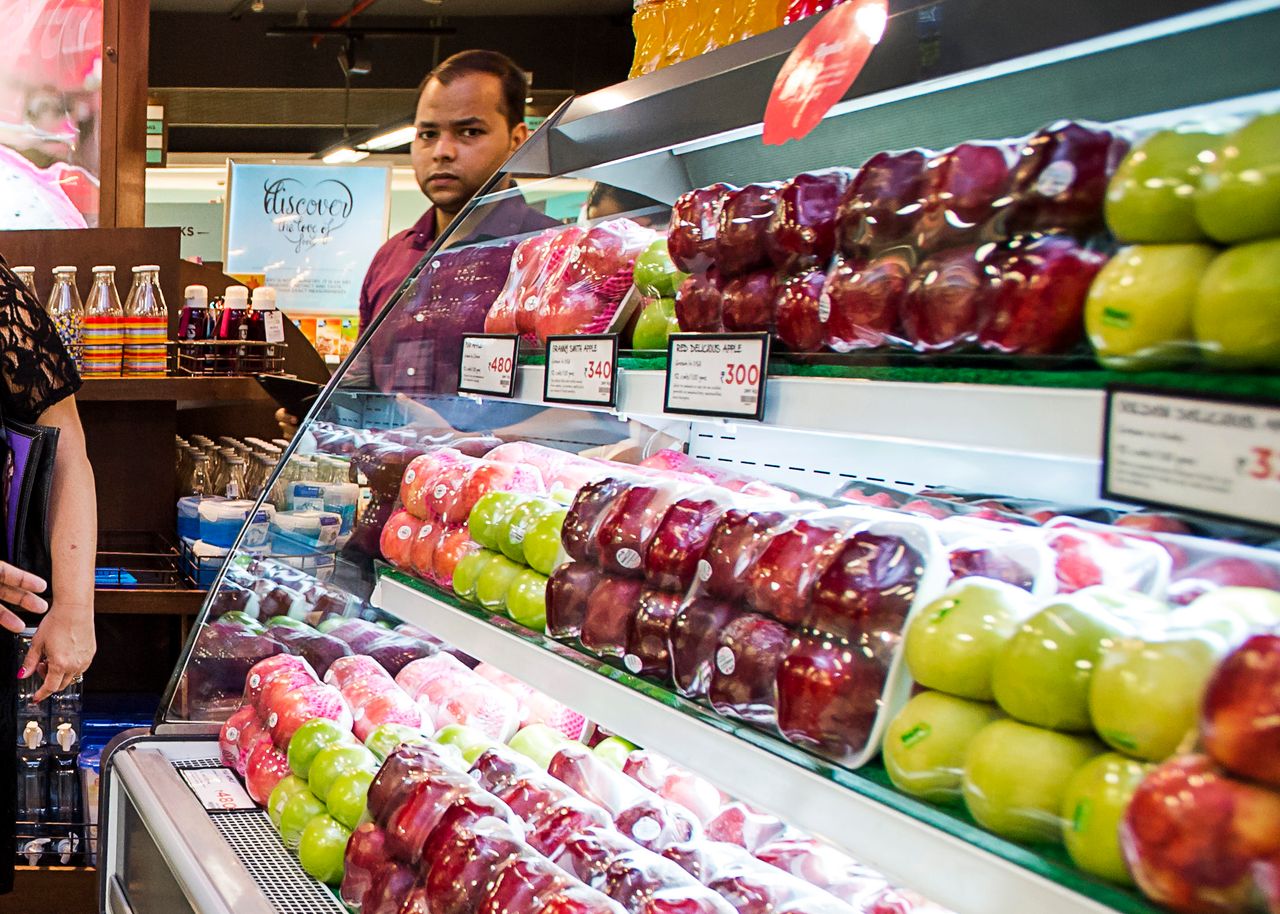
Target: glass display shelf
(939, 852)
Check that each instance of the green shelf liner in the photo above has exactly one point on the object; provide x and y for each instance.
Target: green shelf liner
(1048, 861)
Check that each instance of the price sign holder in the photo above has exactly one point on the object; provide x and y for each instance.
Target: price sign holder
(488, 365)
(1210, 454)
(717, 374)
(582, 370)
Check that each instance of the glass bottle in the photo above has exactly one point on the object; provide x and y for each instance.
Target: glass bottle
(200, 483)
(67, 313)
(236, 486)
(103, 327)
(146, 325)
(27, 276)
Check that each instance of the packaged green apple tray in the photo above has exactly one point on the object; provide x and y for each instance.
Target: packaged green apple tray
(1141, 250)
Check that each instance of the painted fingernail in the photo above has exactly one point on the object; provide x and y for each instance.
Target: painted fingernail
(22, 673)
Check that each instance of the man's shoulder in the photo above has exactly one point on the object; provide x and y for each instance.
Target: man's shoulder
(396, 242)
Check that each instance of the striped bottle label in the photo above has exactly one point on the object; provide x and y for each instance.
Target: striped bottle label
(144, 346)
(103, 345)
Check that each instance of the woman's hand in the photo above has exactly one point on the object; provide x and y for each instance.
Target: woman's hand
(19, 588)
(62, 648)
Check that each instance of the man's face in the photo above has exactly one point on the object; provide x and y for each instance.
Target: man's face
(462, 138)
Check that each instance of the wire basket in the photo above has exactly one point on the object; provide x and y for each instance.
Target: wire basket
(136, 561)
(202, 571)
(204, 358)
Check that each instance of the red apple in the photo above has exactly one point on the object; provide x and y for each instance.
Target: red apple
(648, 638)
(744, 223)
(743, 678)
(568, 592)
(529, 795)
(965, 188)
(1039, 304)
(1228, 571)
(780, 582)
(610, 609)
(391, 890)
(882, 204)
(461, 863)
(578, 535)
(749, 302)
(800, 312)
(679, 543)
(578, 899)
(736, 542)
(397, 538)
(802, 233)
(404, 769)
(626, 528)
(862, 300)
(411, 824)
(829, 693)
(587, 854)
(1061, 178)
(521, 884)
(694, 223)
(693, 641)
(1191, 836)
(548, 832)
(635, 877)
(866, 592)
(950, 299)
(366, 852)
(1240, 726)
(738, 823)
(695, 899)
(655, 824)
(699, 304)
(498, 768)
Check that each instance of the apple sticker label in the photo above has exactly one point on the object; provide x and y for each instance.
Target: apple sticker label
(404, 533)
(726, 663)
(646, 830)
(1056, 178)
(410, 475)
(628, 559)
(517, 534)
(232, 734)
(704, 570)
(632, 663)
(824, 307)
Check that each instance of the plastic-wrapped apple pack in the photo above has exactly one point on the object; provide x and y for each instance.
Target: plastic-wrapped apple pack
(802, 231)
(863, 299)
(1089, 554)
(692, 238)
(951, 299)
(965, 190)
(745, 215)
(392, 650)
(221, 659)
(881, 205)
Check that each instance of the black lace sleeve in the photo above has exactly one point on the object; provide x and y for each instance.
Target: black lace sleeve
(35, 369)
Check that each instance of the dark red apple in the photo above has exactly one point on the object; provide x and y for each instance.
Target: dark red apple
(594, 779)
(406, 768)
(990, 563)
(736, 542)
(458, 867)
(558, 822)
(964, 189)
(1061, 178)
(655, 824)
(578, 899)
(626, 528)
(388, 888)
(752, 887)
(648, 653)
(529, 795)
(1240, 725)
(780, 582)
(862, 300)
(694, 223)
(521, 884)
(1039, 302)
(409, 825)
(802, 233)
(949, 300)
(366, 852)
(883, 202)
(744, 223)
(587, 854)
(699, 304)
(865, 593)
(610, 609)
(738, 823)
(829, 693)
(800, 312)
(749, 302)
(578, 535)
(1191, 836)
(636, 876)
(693, 641)
(693, 857)
(744, 676)
(695, 899)
(568, 593)
(672, 559)
(497, 768)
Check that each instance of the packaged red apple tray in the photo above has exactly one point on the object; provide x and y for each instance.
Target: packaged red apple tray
(568, 280)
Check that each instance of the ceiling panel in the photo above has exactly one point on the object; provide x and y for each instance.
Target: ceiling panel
(409, 7)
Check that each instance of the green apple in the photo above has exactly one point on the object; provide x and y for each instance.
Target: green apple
(471, 742)
(1237, 312)
(527, 600)
(1151, 197)
(348, 796)
(655, 274)
(512, 532)
(323, 847)
(309, 739)
(289, 622)
(326, 625)
(656, 322)
(242, 618)
(542, 548)
(281, 794)
(1144, 697)
(297, 811)
(1138, 311)
(1092, 806)
(488, 513)
(1016, 775)
(925, 745)
(1129, 605)
(539, 743)
(468, 570)
(1256, 606)
(1239, 196)
(1042, 674)
(333, 761)
(494, 582)
(614, 750)
(952, 643)
(386, 738)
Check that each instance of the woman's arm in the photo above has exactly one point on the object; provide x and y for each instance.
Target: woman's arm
(64, 642)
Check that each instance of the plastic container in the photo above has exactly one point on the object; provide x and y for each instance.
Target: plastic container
(208, 558)
(232, 323)
(339, 498)
(221, 520)
(304, 532)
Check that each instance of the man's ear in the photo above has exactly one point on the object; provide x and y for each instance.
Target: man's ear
(519, 133)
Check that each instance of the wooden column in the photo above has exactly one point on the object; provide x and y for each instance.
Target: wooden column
(125, 37)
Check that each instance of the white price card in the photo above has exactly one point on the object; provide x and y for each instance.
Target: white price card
(717, 374)
(217, 788)
(1205, 453)
(489, 364)
(582, 370)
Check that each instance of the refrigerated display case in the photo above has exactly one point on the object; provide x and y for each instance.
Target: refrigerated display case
(389, 546)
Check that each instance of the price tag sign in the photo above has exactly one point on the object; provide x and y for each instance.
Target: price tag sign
(217, 789)
(1209, 454)
(717, 374)
(582, 370)
(489, 364)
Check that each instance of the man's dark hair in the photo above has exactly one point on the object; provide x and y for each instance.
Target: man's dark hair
(515, 85)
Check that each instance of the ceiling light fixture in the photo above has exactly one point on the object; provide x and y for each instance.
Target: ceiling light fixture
(344, 155)
(390, 139)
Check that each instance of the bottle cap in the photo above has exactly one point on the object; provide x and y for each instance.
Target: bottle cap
(24, 271)
(104, 269)
(196, 296)
(147, 268)
(236, 297)
(64, 269)
(264, 299)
